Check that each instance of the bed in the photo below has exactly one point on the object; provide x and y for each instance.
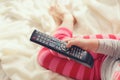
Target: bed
(18, 18)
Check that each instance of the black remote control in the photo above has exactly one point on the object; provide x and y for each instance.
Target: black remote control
(59, 46)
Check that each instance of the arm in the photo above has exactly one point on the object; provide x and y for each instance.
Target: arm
(104, 46)
(109, 47)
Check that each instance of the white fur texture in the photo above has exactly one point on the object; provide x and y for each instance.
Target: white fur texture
(18, 18)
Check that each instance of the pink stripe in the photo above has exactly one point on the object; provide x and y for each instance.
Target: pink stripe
(105, 37)
(92, 74)
(67, 68)
(116, 75)
(41, 56)
(80, 73)
(54, 63)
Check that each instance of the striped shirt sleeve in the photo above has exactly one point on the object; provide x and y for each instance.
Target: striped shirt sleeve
(109, 47)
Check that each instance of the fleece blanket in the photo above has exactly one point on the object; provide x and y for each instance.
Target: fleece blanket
(18, 18)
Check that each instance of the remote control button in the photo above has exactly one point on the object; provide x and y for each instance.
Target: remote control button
(83, 55)
(44, 41)
(63, 47)
(58, 44)
(38, 36)
(40, 40)
(34, 38)
(36, 32)
(58, 48)
(51, 44)
(80, 57)
(37, 39)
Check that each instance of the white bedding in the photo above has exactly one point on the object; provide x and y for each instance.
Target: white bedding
(18, 18)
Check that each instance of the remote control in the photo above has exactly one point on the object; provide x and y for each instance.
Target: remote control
(59, 46)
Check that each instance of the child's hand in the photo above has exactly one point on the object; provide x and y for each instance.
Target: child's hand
(86, 44)
(77, 42)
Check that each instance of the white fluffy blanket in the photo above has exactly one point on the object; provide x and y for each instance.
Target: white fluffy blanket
(18, 18)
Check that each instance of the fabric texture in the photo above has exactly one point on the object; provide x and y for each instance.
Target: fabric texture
(70, 68)
(111, 66)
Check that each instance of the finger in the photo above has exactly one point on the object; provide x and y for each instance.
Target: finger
(70, 43)
(68, 58)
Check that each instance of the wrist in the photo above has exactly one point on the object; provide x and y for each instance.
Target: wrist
(89, 44)
(93, 44)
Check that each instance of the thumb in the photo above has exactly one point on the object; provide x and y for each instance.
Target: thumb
(70, 43)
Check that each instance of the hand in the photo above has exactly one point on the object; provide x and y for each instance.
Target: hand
(86, 44)
(77, 42)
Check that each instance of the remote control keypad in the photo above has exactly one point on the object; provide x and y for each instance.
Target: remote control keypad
(73, 51)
